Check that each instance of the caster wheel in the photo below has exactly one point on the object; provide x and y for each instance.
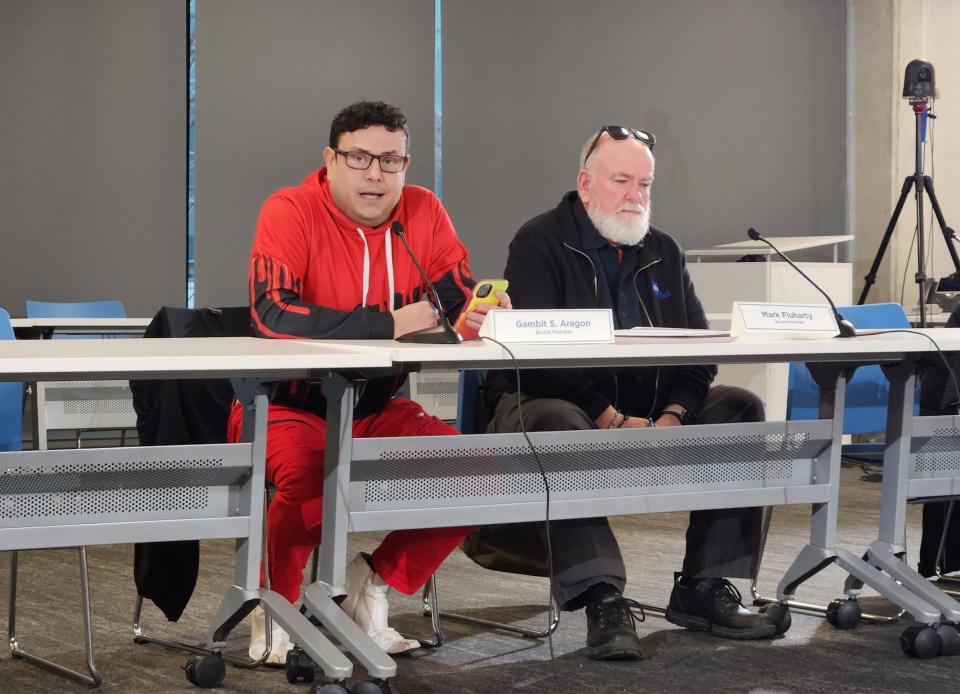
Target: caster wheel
(372, 687)
(844, 614)
(330, 688)
(300, 666)
(206, 671)
(780, 614)
(920, 642)
(949, 638)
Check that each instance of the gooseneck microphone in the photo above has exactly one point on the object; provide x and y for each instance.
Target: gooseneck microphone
(442, 333)
(846, 327)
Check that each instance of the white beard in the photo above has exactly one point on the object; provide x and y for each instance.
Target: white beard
(628, 231)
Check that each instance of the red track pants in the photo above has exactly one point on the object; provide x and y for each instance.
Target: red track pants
(295, 444)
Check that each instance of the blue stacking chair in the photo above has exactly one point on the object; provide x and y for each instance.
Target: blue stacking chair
(75, 309)
(109, 413)
(11, 400)
(868, 390)
(113, 408)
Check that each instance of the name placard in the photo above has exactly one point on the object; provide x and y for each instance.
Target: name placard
(800, 321)
(565, 326)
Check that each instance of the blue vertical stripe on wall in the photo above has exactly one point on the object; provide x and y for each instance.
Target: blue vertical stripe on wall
(437, 99)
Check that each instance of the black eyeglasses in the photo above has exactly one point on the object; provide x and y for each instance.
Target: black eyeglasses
(619, 132)
(358, 159)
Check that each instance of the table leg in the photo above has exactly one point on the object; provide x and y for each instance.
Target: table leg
(378, 664)
(237, 603)
(38, 404)
(887, 553)
(822, 551)
(246, 592)
(320, 598)
(336, 483)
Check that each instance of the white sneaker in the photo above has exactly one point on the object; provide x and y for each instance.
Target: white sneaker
(366, 604)
(258, 639)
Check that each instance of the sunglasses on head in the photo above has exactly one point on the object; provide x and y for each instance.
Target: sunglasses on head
(619, 132)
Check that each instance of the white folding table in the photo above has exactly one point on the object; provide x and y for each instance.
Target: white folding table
(453, 480)
(384, 484)
(66, 498)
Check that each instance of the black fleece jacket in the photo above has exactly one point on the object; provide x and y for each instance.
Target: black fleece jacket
(548, 268)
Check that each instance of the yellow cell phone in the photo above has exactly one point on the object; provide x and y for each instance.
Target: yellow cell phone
(483, 293)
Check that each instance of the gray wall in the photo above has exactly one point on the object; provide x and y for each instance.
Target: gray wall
(92, 152)
(746, 98)
(270, 78)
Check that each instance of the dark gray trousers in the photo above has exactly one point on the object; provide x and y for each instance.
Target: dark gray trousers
(723, 543)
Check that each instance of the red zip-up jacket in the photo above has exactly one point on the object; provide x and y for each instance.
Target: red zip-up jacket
(306, 273)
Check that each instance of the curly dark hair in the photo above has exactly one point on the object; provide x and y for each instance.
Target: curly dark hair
(362, 115)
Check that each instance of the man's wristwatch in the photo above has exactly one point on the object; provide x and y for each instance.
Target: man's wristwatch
(678, 411)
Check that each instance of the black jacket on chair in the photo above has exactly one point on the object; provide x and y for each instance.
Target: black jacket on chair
(172, 412)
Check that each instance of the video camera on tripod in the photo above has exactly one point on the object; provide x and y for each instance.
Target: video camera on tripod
(919, 88)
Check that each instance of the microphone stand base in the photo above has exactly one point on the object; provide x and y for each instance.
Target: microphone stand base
(441, 334)
(846, 328)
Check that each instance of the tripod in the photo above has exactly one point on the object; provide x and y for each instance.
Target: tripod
(919, 183)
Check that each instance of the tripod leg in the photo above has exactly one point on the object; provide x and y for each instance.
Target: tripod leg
(948, 234)
(921, 276)
(871, 277)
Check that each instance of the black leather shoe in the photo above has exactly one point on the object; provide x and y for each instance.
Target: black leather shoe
(715, 605)
(611, 629)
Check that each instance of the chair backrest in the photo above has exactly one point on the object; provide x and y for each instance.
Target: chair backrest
(876, 316)
(75, 309)
(82, 405)
(11, 400)
(868, 390)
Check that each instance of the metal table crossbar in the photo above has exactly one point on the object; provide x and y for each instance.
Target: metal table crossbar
(417, 481)
(111, 495)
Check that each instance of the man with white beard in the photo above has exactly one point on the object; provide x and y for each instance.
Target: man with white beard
(596, 249)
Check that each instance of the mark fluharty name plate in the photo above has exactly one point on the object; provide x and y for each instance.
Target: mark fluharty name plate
(800, 321)
(549, 326)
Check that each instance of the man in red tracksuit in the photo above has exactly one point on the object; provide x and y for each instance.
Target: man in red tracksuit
(325, 264)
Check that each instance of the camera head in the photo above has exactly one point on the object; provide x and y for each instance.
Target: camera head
(919, 81)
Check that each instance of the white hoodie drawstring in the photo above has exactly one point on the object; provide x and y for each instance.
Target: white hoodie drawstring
(366, 268)
(388, 246)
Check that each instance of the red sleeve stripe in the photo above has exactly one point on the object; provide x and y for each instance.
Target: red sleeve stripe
(459, 273)
(279, 274)
(259, 271)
